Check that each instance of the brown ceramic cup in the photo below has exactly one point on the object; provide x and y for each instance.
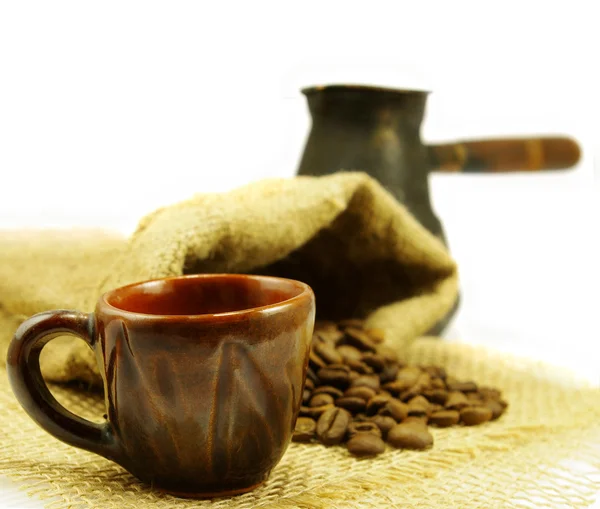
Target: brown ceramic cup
(203, 378)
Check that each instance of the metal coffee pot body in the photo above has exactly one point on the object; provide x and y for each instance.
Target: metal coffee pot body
(376, 131)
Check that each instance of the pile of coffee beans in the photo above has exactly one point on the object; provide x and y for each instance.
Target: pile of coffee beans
(359, 393)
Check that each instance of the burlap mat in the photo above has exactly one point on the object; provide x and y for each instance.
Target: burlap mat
(360, 250)
(544, 452)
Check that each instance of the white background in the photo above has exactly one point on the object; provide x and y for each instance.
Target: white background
(110, 109)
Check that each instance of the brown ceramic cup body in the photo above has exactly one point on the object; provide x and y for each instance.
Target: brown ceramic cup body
(202, 375)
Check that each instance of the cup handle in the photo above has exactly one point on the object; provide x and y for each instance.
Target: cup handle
(23, 366)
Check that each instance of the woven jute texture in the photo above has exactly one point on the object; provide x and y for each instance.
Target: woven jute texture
(544, 452)
(359, 249)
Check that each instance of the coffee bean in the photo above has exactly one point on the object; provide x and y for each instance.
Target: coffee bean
(376, 335)
(328, 353)
(371, 381)
(405, 379)
(377, 402)
(435, 372)
(365, 444)
(456, 401)
(439, 396)
(325, 325)
(496, 408)
(424, 380)
(472, 416)
(395, 409)
(389, 373)
(365, 393)
(359, 339)
(421, 385)
(316, 411)
(444, 419)
(396, 387)
(375, 361)
(389, 355)
(306, 395)
(335, 376)
(341, 367)
(474, 397)
(352, 322)
(360, 417)
(328, 389)
(320, 400)
(305, 430)
(304, 410)
(352, 404)
(418, 406)
(311, 375)
(359, 367)
(416, 421)
(410, 436)
(462, 386)
(409, 375)
(489, 393)
(330, 335)
(438, 383)
(354, 375)
(384, 422)
(349, 353)
(309, 384)
(315, 361)
(332, 426)
(363, 427)
(411, 393)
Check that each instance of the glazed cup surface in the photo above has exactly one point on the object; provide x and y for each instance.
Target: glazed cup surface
(202, 374)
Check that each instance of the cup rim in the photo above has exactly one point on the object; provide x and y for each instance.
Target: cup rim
(314, 89)
(306, 291)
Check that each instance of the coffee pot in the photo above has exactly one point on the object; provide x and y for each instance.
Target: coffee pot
(377, 130)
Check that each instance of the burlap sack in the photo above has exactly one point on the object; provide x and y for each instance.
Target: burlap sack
(361, 251)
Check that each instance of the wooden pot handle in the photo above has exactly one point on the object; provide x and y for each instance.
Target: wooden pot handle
(505, 155)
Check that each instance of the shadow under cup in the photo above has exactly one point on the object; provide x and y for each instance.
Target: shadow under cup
(203, 377)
